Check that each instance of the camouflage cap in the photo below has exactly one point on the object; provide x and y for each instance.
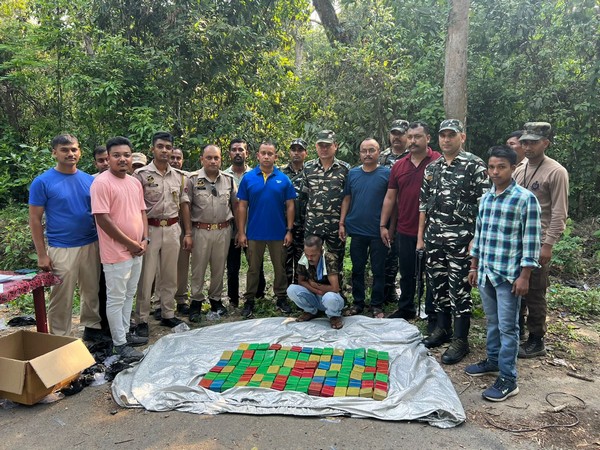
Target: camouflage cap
(299, 141)
(326, 136)
(534, 131)
(452, 124)
(400, 125)
(138, 158)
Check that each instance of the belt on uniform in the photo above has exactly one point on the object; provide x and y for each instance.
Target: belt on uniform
(163, 222)
(210, 226)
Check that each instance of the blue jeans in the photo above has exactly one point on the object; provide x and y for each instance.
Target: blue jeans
(361, 248)
(501, 309)
(332, 302)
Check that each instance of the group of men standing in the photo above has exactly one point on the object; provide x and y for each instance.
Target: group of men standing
(399, 204)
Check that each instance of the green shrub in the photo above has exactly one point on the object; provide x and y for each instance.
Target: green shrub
(575, 301)
(567, 254)
(16, 245)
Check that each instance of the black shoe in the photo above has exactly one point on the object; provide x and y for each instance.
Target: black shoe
(134, 340)
(157, 314)
(218, 307)
(533, 347)
(248, 311)
(94, 335)
(142, 329)
(459, 348)
(438, 337)
(195, 311)
(234, 303)
(401, 314)
(183, 309)
(283, 306)
(171, 323)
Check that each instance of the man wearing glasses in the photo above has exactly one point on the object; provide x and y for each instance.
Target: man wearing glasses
(364, 192)
(213, 205)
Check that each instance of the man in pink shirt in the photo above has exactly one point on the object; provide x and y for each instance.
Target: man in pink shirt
(402, 201)
(120, 211)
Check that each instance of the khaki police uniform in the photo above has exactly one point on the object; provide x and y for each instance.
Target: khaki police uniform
(163, 195)
(211, 211)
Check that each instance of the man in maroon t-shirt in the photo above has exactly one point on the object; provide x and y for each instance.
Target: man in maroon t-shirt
(403, 197)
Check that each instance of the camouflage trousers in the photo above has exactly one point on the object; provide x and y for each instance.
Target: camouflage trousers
(447, 268)
(294, 253)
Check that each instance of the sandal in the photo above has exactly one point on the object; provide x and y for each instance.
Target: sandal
(336, 322)
(305, 317)
(377, 313)
(353, 310)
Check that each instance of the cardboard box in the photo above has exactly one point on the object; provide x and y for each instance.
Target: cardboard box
(33, 365)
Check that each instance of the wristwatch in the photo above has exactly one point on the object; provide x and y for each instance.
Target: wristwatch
(289, 229)
(146, 238)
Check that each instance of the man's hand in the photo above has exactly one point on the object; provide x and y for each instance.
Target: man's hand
(385, 236)
(242, 239)
(316, 287)
(472, 277)
(521, 284)
(420, 244)
(342, 232)
(136, 248)
(288, 239)
(188, 243)
(545, 254)
(45, 263)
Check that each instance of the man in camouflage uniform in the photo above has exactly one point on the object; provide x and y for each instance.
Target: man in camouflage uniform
(166, 199)
(294, 171)
(322, 189)
(387, 158)
(448, 204)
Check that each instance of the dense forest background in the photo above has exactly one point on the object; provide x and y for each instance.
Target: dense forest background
(212, 70)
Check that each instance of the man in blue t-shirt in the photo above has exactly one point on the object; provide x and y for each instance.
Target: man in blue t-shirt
(364, 192)
(63, 195)
(266, 207)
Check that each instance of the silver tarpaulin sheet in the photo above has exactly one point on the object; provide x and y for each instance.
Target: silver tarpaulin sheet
(167, 378)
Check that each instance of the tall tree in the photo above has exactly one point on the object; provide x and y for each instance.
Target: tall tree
(455, 69)
(333, 28)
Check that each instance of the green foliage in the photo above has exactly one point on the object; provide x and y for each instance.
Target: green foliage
(210, 71)
(575, 301)
(16, 247)
(567, 253)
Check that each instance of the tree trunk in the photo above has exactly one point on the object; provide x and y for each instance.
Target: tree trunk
(329, 19)
(299, 47)
(455, 75)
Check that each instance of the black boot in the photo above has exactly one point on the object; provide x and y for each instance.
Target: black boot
(459, 348)
(442, 332)
(195, 311)
(534, 346)
(248, 311)
(217, 306)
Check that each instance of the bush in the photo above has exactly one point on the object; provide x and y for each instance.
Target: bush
(567, 254)
(16, 245)
(575, 301)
